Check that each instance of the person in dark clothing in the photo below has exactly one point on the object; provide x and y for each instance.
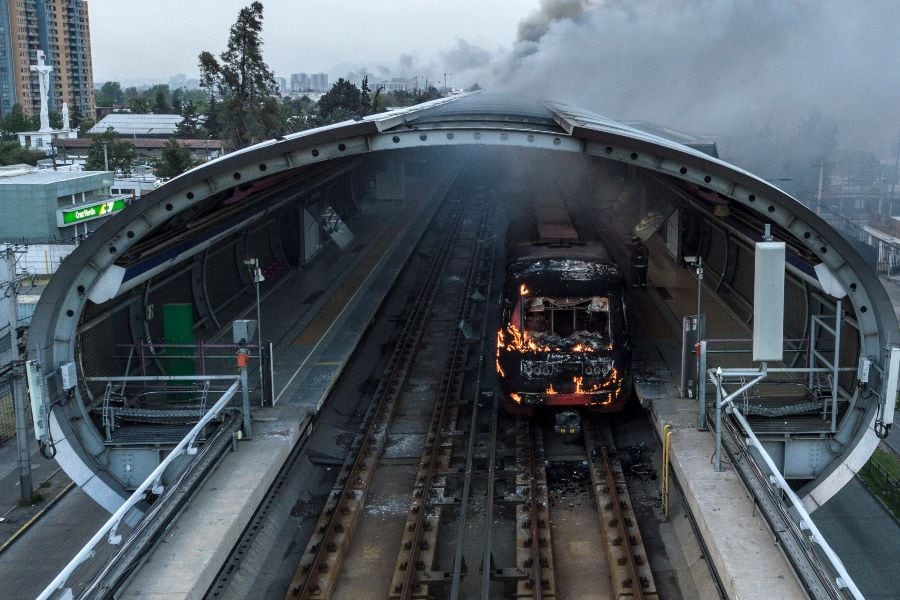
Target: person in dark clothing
(640, 260)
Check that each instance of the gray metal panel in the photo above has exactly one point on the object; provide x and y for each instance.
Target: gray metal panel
(768, 300)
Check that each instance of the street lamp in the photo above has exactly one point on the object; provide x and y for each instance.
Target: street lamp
(256, 275)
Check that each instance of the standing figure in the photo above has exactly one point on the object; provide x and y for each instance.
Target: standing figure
(640, 260)
(43, 71)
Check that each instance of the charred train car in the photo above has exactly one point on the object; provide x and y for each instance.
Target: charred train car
(563, 340)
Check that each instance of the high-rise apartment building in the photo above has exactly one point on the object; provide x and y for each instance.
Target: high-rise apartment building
(60, 29)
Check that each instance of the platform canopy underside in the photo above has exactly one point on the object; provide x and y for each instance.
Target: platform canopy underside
(480, 119)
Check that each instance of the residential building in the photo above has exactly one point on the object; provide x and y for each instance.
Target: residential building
(299, 82)
(59, 29)
(318, 82)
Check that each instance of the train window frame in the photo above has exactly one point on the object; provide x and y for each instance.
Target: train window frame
(554, 305)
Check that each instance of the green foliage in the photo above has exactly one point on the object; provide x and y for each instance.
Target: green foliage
(11, 153)
(84, 126)
(882, 476)
(298, 114)
(110, 94)
(120, 154)
(241, 85)
(16, 120)
(139, 105)
(339, 103)
(160, 99)
(407, 98)
(190, 125)
(174, 160)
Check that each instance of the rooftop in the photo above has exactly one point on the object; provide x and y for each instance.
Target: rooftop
(138, 124)
(148, 143)
(23, 174)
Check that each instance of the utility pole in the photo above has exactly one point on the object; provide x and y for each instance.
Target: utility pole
(105, 157)
(8, 276)
(894, 179)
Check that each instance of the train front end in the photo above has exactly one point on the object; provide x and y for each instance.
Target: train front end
(563, 341)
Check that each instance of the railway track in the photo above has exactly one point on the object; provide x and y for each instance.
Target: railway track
(459, 264)
(439, 495)
(574, 503)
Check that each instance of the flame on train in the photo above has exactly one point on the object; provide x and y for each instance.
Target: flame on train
(563, 339)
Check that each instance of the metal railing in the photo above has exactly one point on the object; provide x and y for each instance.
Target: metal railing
(804, 520)
(7, 412)
(151, 483)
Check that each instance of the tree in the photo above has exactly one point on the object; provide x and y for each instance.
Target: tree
(120, 154)
(298, 114)
(189, 127)
(139, 105)
(110, 94)
(178, 100)
(16, 120)
(365, 99)
(11, 153)
(174, 160)
(160, 99)
(339, 103)
(243, 82)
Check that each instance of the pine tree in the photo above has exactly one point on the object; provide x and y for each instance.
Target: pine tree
(189, 127)
(120, 154)
(174, 160)
(244, 83)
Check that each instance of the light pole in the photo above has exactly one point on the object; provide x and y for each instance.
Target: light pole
(257, 277)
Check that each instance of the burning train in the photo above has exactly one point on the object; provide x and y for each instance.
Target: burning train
(563, 339)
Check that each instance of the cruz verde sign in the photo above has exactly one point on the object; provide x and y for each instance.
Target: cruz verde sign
(86, 212)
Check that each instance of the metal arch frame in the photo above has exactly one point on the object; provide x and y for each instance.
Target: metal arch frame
(54, 325)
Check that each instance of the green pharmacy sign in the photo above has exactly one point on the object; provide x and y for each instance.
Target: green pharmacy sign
(86, 212)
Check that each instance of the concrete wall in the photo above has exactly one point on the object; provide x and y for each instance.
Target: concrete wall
(29, 208)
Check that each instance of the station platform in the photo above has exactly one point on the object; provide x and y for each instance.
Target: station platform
(315, 317)
(739, 543)
(309, 356)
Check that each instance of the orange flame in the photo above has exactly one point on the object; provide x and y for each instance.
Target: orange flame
(516, 398)
(523, 291)
(500, 369)
(550, 391)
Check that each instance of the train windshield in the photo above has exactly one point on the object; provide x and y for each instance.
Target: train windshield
(564, 322)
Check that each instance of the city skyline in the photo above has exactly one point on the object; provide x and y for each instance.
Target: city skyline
(296, 41)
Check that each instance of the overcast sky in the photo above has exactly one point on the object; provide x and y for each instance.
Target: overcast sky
(779, 76)
(141, 39)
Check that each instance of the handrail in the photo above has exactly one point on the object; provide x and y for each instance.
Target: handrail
(185, 445)
(806, 523)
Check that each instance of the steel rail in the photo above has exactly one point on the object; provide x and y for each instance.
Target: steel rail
(315, 576)
(403, 582)
(629, 567)
(488, 560)
(534, 553)
(484, 254)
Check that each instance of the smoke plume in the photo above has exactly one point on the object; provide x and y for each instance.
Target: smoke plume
(792, 78)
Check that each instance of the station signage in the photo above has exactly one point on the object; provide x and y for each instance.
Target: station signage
(87, 212)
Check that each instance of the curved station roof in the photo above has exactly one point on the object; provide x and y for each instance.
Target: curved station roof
(161, 231)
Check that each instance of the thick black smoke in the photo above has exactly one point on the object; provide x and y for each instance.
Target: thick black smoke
(791, 79)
